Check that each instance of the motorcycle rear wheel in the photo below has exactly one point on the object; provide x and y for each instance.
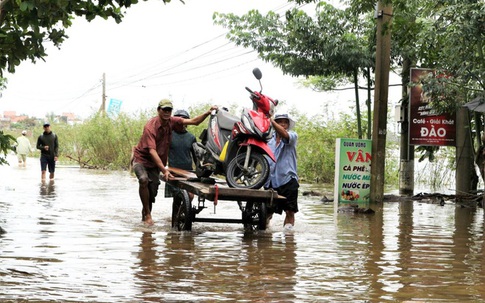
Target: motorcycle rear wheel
(252, 178)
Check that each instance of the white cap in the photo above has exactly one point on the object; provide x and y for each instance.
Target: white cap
(24, 132)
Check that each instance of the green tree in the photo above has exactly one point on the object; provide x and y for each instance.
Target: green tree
(334, 47)
(26, 26)
(5, 146)
(455, 35)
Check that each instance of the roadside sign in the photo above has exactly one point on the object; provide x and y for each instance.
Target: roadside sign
(352, 170)
(114, 107)
(425, 126)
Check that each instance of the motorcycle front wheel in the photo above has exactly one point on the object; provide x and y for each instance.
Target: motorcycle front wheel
(252, 177)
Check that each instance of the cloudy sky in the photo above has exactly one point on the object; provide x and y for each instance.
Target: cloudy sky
(158, 51)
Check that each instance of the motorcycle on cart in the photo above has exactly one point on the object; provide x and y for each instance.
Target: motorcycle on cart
(234, 147)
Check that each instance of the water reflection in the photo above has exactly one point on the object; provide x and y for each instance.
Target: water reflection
(80, 240)
(147, 270)
(176, 266)
(180, 253)
(268, 266)
(47, 191)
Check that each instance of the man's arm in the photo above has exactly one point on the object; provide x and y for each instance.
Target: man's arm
(40, 145)
(56, 146)
(158, 162)
(280, 130)
(197, 120)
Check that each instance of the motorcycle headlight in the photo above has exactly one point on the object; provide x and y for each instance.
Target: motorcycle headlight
(247, 124)
(269, 134)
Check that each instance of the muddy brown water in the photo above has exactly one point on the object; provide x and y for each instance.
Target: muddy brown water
(80, 239)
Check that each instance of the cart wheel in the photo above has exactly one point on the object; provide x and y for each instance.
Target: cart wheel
(254, 215)
(182, 211)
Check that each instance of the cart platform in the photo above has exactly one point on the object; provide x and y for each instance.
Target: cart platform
(253, 203)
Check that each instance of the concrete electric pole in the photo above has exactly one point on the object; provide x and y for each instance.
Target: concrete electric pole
(379, 129)
(102, 108)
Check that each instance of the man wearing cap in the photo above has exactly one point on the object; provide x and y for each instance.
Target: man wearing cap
(48, 145)
(283, 176)
(23, 148)
(151, 154)
(181, 154)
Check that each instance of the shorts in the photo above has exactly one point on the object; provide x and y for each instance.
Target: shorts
(22, 157)
(171, 191)
(150, 175)
(47, 162)
(290, 191)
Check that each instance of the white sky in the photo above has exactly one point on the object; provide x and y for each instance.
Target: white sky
(158, 51)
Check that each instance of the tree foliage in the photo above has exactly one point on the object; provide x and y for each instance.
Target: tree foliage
(455, 34)
(329, 44)
(6, 141)
(27, 26)
(332, 47)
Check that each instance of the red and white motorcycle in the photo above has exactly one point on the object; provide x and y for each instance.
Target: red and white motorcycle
(236, 147)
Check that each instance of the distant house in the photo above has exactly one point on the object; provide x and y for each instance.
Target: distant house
(70, 118)
(12, 116)
(9, 114)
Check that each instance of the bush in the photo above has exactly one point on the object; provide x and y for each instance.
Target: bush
(101, 141)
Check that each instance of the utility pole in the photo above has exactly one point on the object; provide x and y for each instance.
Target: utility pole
(379, 129)
(102, 109)
(406, 165)
(465, 162)
(368, 103)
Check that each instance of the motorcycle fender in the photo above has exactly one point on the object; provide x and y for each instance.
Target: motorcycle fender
(223, 154)
(263, 146)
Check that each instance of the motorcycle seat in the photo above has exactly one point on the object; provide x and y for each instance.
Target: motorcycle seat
(226, 119)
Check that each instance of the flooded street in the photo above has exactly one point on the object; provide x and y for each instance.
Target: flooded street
(80, 239)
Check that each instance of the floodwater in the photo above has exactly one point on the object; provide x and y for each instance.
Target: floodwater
(80, 239)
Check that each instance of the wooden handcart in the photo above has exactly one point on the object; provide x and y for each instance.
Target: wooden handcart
(253, 203)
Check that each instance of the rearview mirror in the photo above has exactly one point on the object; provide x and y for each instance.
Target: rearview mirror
(257, 73)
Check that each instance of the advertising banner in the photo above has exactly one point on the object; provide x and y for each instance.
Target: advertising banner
(425, 126)
(352, 170)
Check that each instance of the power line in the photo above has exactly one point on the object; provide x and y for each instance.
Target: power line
(163, 72)
(160, 69)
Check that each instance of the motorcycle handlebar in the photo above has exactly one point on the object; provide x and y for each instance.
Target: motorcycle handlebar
(253, 95)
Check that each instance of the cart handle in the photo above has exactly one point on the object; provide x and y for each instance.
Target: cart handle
(216, 187)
